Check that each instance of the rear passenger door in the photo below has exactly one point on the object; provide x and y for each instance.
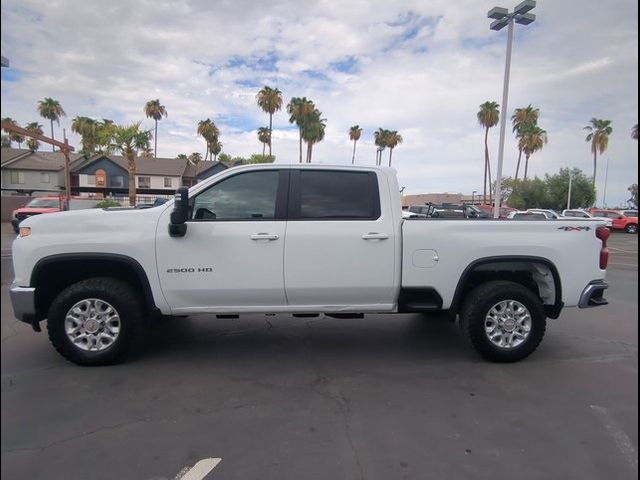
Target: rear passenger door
(340, 243)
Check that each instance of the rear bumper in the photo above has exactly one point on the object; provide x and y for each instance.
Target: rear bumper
(23, 302)
(592, 295)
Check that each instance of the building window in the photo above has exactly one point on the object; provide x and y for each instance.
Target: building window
(91, 179)
(44, 178)
(117, 181)
(17, 177)
(167, 182)
(144, 182)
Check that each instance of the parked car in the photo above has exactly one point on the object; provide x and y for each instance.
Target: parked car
(504, 211)
(579, 213)
(620, 222)
(526, 215)
(549, 214)
(408, 214)
(98, 277)
(49, 204)
(450, 210)
(629, 213)
(37, 206)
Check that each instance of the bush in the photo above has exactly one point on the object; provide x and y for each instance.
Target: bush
(107, 202)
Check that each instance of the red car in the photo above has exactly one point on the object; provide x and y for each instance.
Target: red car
(50, 204)
(36, 206)
(620, 222)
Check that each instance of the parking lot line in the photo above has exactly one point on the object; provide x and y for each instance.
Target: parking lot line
(621, 439)
(200, 469)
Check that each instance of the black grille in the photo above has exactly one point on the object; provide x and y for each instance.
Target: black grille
(22, 216)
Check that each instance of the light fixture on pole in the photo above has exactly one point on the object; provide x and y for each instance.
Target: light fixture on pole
(502, 18)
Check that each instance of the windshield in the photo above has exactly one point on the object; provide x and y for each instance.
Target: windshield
(44, 203)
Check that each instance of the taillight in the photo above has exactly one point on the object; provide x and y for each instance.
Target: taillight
(603, 234)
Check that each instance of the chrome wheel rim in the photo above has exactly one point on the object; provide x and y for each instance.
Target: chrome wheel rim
(508, 324)
(92, 325)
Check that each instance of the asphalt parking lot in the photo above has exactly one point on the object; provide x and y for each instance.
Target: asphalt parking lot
(384, 397)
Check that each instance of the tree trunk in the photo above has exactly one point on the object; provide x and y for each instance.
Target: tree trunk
(390, 152)
(490, 183)
(155, 141)
(206, 155)
(53, 147)
(526, 164)
(309, 147)
(486, 163)
(270, 123)
(518, 165)
(300, 142)
(353, 157)
(595, 155)
(132, 178)
(264, 145)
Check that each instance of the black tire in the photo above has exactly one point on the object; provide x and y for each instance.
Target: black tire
(122, 298)
(478, 304)
(631, 228)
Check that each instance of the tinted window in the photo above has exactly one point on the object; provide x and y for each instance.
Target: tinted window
(44, 203)
(247, 196)
(335, 194)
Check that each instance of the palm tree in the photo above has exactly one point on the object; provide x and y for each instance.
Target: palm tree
(634, 132)
(128, 141)
(532, 139)
(209, 132)
(264, 137)
(313, 130)
(195, 158)
(14, 137)
(299, 109)
(488, 117)
(87, 128)
(520, 117)
(354, 136)
(392, 141)
(270, 101)
(380, 140)
(215, 147)
(154, 110)
(32, 143)
(599, 132)
(182, 156)
(104, 131)
(51, 110)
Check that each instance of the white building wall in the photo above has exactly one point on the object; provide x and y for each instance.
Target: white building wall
(157, 182)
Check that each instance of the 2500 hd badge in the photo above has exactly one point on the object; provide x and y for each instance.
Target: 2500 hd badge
(190, 270)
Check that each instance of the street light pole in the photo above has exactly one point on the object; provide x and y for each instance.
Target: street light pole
(569, 193)
(473, 196)
(503, 18)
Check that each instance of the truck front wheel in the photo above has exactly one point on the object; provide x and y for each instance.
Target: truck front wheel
(504, 321)
(95, 321)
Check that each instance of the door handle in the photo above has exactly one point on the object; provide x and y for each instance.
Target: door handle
(264, 236)
(375, 236)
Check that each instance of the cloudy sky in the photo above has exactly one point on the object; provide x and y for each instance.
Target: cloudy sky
(419, 67)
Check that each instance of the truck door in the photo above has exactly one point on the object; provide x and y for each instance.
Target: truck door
(340, 243)
(232, 254)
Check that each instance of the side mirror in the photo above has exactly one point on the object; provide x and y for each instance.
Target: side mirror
(180, 214)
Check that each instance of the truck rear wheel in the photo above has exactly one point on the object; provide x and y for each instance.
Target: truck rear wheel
(95, 322)
(504, 321)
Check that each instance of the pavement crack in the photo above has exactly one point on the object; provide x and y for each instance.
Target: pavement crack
(344, 407)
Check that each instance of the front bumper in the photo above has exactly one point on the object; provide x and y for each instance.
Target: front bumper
(592, 294)
(23, 300)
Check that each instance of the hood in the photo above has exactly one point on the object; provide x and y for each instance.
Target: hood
(95, 220)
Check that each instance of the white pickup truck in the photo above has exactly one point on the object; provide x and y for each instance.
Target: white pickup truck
(303, 240)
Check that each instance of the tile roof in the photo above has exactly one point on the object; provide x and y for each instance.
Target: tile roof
(23, 159)
(28, 160)
(193, 171)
